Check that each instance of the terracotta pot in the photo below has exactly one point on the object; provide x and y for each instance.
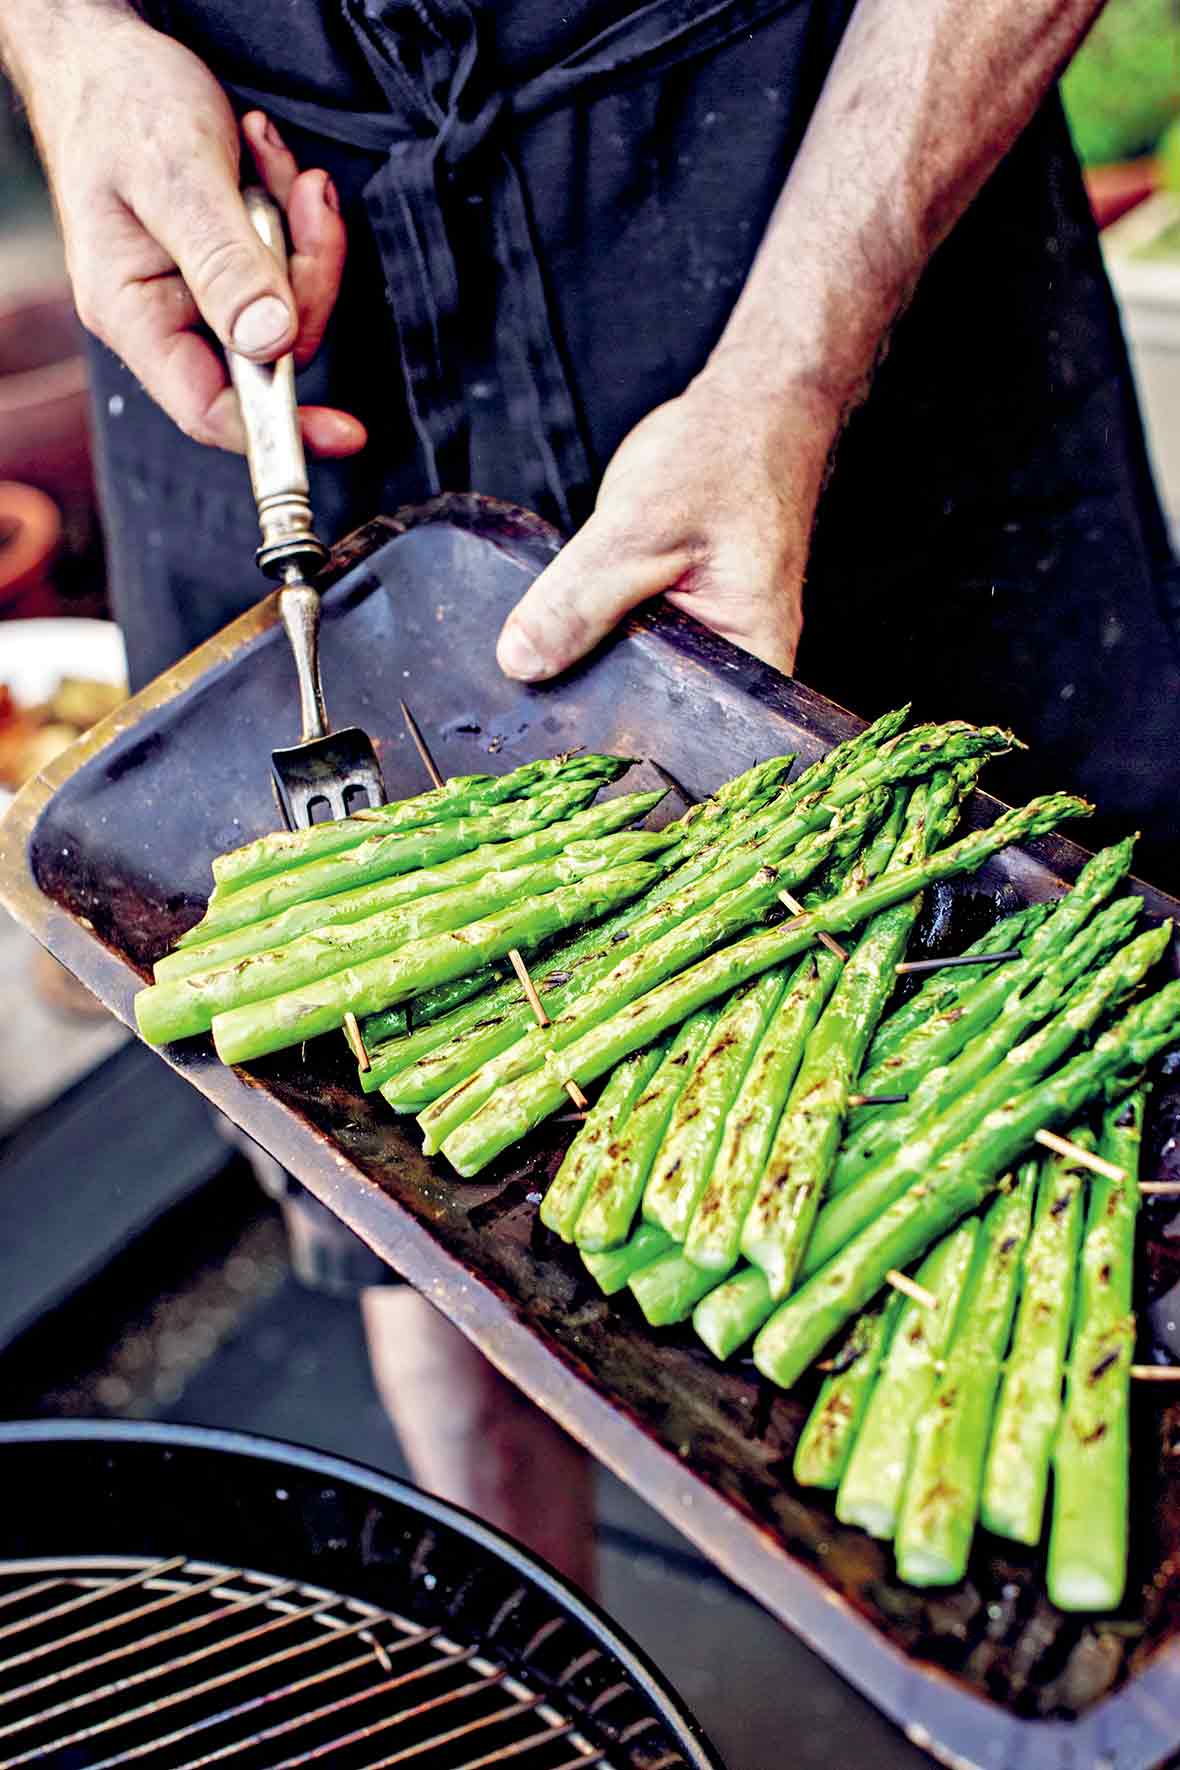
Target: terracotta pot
(1116, 188)
(44, 417)
(30, 534)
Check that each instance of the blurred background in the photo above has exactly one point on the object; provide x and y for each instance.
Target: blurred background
(142, 1272)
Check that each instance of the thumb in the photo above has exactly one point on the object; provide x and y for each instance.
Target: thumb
(237, 283)
(576, 601)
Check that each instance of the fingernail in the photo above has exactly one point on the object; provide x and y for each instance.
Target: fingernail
(331, 196)
(271, 133)
(260, 326)
(518, 656)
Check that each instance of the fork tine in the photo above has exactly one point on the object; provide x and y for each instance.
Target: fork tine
(326, 770)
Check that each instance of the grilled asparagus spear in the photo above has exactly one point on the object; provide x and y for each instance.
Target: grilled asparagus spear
(733, 1313)
(612, 1269)
(1091, 1453)
(606, 1118)
(1016, 1479)
(941, 1499)
(388, 894)
(667, 1289)
(826, 1442)
(462, 796)
(303, 1013)
(871, 1488)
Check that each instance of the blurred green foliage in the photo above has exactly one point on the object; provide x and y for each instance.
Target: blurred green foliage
(1169, 156)
(1123, 86)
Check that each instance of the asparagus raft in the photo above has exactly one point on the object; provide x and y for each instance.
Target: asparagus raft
(956, 1185)
(738, 1060)
(518, 1108)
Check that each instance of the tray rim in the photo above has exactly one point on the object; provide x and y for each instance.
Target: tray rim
(749, 1554)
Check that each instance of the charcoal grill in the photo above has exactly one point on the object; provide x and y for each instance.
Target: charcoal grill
(179, 1597)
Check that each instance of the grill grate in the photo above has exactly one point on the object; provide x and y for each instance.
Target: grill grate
(117, 1660)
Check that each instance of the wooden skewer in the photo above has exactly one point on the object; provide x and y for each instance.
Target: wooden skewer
(1097, 1164)
(910, 1288)
(569, 1118)
(1155, 1373)
(356, 1041)
(420, 745)
(529, 987)
(666, 774)
(877, 1099)
(542, 1019)
(909, 966)
(796, 909)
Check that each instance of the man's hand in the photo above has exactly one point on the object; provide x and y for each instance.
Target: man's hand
(710, 500)
(142, 151)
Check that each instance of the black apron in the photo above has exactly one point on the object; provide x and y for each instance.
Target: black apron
(551, 211)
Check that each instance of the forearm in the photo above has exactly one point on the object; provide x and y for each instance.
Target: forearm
(922, 101)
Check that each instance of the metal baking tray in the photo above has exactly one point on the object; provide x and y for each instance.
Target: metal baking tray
(106, 857)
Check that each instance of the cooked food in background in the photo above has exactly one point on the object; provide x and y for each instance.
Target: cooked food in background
(32, 735)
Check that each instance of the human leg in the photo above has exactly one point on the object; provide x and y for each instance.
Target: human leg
(471, 1437)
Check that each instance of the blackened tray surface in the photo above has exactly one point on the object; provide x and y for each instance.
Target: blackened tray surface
(107, 859)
